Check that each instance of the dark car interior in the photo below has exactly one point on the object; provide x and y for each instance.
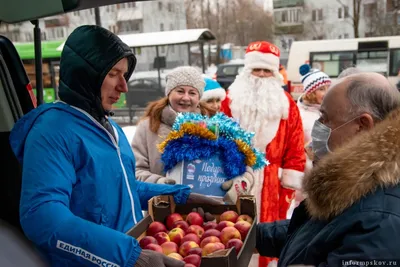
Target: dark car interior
(15, 101)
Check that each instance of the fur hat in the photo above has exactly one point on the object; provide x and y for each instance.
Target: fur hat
(213, 90)
(313, 79)
(263, 55)
(184, 76)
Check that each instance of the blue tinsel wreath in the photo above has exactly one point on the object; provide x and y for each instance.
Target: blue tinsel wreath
(191, 148)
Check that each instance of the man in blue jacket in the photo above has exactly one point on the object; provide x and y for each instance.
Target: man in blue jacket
(351, 216)
(79, 192)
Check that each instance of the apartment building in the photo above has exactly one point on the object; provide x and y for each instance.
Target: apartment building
(332, 19)
(125, 18)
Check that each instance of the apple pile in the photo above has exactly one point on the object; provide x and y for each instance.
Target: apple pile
(188, 240)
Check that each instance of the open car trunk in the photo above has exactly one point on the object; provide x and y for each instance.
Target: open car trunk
(17, 99)
(24, 10)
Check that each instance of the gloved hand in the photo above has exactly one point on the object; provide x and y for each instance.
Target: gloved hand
(207, 217)
(164, 180)
(241, 185)
(150, 258)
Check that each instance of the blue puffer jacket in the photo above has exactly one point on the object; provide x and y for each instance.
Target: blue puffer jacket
(79, 192)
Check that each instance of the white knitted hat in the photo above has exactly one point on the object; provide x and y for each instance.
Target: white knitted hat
(184, 76)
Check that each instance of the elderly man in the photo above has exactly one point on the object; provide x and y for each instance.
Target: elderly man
(349, 71)
(352, 212)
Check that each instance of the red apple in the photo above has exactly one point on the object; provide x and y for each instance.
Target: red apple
(147, 240)
(193, 259)
(176, 235)
(171, 219)
(181, 224)
(236, 243)
(211, 248)
(229, 215)
(243, 227)
(196, 251)
(245, 218)
(191, 237)
(211, 232)
(195, 229)
(210, 225)
(210, 239)
(176, 256)
(229, 233)
(194, 218)
(189, 265)
(223, 224)
(161, 237)
(185, 247)
(169, 247)
(156, 227)
(154, 247)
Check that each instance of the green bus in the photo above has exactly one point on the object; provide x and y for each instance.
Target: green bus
(50, 68)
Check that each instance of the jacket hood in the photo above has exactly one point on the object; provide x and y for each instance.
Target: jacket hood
(23, 126)
(368, 162)
(88, 55)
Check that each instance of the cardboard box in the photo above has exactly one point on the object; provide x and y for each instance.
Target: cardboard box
(202, 176)
(160, 207)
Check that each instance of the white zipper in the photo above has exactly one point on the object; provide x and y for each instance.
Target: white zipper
(119, 156)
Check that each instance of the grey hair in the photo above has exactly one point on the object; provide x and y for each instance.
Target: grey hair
(349, 71)
(371, 97)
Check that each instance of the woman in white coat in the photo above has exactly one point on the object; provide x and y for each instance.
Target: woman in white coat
(316, 84)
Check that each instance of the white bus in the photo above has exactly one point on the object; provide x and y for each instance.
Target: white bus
(376, 54)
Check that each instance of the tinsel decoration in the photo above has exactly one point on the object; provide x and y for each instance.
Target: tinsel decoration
(190, 129)
(195, 136)
(247, 151)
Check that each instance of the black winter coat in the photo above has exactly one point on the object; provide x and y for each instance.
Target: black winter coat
(352, 214)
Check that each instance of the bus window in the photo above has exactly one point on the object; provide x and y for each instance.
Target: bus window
(49, 94)
(395, 62)
(373, 61)
(332, 63)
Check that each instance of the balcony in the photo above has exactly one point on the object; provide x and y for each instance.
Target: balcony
(288, 3)
(284, 29)
(289, 19)
(56, 21)
(129, 14)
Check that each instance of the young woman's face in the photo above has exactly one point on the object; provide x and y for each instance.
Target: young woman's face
(184, 99)
(213, 104)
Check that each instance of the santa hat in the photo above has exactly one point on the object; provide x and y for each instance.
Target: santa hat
(313, 79)
(263, 55)
(213, 90)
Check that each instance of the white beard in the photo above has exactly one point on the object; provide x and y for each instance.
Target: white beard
(258, 104)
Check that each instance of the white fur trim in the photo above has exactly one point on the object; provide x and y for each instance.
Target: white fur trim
(256, 59)
(269, 133)
(292, 179)
(214, 93)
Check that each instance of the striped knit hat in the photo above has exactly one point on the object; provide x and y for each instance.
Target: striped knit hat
(313, 79)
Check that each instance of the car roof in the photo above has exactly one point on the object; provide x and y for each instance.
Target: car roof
(24, 10)
(234, 62)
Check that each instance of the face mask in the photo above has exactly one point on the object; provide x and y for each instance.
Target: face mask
(320, 136)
